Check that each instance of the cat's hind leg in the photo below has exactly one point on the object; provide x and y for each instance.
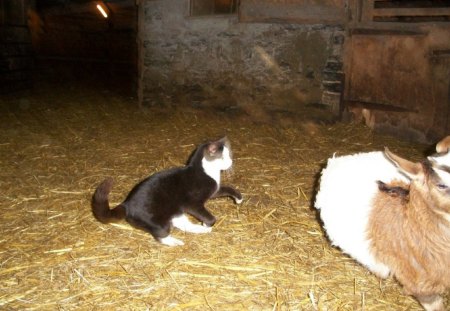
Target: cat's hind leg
(161, 232)
(183, 223)
(201, 213)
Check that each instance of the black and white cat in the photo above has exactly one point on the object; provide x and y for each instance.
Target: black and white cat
(162, 200)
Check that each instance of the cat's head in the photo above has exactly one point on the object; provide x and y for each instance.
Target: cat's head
(218, 154)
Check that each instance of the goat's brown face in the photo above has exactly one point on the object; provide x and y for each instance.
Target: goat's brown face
(430, 179)
(437, 180)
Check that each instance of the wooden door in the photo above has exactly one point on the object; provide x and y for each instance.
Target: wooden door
(397, 68)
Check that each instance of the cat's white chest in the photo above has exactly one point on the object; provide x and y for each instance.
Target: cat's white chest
(213, 167)
(211, 170)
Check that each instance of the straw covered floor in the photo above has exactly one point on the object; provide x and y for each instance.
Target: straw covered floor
(269, 253)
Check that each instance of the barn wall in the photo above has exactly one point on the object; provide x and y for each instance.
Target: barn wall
(220, 60)
(80, 44)
(15, 49)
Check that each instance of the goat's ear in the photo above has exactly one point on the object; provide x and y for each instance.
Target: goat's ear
(411, 169)
(443, 145)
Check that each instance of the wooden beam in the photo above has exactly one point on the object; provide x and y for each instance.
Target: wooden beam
(140, 51)
(385, 32)
(290, 11)
(376, 106)
(399, 12)
(88, 7)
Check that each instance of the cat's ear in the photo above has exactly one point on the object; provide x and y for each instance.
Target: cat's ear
(224, 141)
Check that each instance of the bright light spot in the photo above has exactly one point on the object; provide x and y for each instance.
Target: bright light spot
(99, 7)
(268, 60)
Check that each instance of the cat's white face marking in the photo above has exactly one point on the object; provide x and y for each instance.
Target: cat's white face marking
(184, 224)
(213, 167)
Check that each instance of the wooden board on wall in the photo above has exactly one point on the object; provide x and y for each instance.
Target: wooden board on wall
(403, 78)
(389, 69)
(331, 12)
(16, 62)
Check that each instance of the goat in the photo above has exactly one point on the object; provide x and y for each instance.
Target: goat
(404, 234)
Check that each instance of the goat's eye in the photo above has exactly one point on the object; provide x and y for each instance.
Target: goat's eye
(442, 186)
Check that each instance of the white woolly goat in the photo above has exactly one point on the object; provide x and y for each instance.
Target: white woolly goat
(407, 236)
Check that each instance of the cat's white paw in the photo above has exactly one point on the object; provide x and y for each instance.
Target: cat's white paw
(182, 222)
(238, 201)
(171, 241)
(201, 229)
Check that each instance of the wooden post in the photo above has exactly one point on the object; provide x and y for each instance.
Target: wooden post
(16, 46)
(367, 11)
(140, 51)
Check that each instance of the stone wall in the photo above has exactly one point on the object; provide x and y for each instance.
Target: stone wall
(220, 61)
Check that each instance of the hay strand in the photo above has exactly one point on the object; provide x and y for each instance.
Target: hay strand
(269, 253)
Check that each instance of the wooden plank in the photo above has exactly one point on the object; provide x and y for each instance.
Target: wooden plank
(398, 12)
(377, 106)
(140, 51)
(292, 11)
(14, 34)
(386, 31)
(376, 62)
(440, 54)
(367, 10)
(14, 12)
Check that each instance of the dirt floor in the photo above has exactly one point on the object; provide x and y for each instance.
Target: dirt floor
(270, 253)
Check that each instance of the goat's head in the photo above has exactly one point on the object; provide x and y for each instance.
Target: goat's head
(429, 178)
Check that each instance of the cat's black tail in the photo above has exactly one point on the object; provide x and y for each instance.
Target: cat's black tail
(100, 204)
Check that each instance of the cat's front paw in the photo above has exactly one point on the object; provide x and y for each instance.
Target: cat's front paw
(171, 241)
(238, 197)
(202, 229)
(209, 222)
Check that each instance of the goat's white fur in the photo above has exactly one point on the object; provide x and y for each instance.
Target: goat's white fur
(350, 183)
(441, 159)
